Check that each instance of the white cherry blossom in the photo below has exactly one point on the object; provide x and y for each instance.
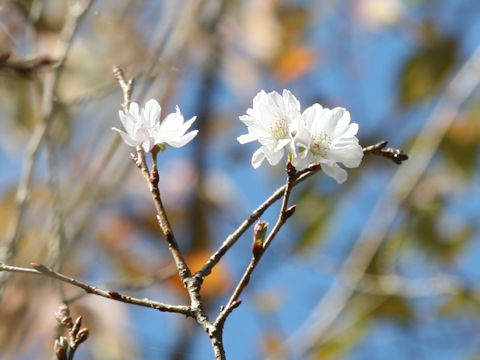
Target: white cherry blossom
(144, 127)
(269, 121)
(326, 136)
(136, 130)
(173, 130)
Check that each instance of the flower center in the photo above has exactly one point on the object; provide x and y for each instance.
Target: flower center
(279, 129)
(320, 145)
(153, 130)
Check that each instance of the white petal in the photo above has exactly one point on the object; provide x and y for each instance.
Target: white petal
(268, 114)
(263, 136)
(246, 138)
(127, 138)
(343, 127)
(315, 118)
(350, 155)
(351, 130)
(274, 98)
(141, 134)
(148, 144)
(170, 126)
(128, 122)
(324, 121)
(344, 118)
(187, 125)
(282, 143)
(261, 97)
(273, 157)
(183, 140)
(336, 119)
(134, 110)
(335, 171)
(258, 157)
(151, 113)
(122, 117)
(256, 122)
(291, 104)
(300, 163)
(301, 134)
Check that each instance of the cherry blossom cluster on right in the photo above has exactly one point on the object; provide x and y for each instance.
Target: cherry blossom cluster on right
(318, 135)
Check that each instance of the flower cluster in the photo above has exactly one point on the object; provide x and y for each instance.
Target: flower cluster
(318, 135)
(144, 127)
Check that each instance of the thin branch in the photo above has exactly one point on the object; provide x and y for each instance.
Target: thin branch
(126, 86)
(284, 214)
(27, 67)
(152, 181)
(254, 216)
(135, 284)
(396, 155)
(39, 269)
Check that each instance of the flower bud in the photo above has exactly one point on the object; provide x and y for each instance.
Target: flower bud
(81, 336)
(76, 326)
(291, 171)
(63, 316)
(154, 177)
(259, 231)
(60, 347)
(236, 304)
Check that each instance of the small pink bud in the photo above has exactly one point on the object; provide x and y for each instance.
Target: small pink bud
(66, 321)
(259, 232)
(154, 177)
(62, 314)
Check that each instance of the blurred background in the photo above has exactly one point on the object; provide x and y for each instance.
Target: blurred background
(383, 266)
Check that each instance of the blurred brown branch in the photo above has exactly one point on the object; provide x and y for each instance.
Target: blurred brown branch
(27, 67)
(14, 230)
(283, 215)
(39, 269)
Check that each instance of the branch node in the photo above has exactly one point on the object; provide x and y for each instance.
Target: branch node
(235, 304)
(114, 294)
(40, 267)
(290, 211)
(314, 166)
(291, 171)
(168, 235)
(380, 149)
